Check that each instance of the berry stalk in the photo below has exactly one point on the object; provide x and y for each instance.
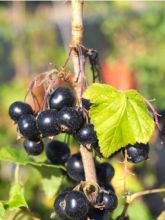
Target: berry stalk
(77, 39)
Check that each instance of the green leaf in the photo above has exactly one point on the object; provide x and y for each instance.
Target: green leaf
(51, 185)
(18, 214)
(2, 211)
(120, 117)
(17, 199)
(19, 156)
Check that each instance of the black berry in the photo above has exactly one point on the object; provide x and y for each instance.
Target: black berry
(69, 120)
(33, 148)
(28, 127)
(75, 169)
(105, 172)
(17, 109)
(59, 206)
(57, 152)
(108, 199)
(137, 153)
(86, 135)
(60, 98)
(46, 123)
(76, 205)
(97, 214)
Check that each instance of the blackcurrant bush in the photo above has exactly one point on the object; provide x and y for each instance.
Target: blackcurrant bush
(86, 103)
(76, 205)
(97, 214)
(59, 206)
(105, 172)
(60, 98)
(69, 120)
(86, 135)
(46, 122)
(57, 152)
(33, 148)
(137, 153)
(75, 169)
(108, 199)
(17, 109)
(28, 127)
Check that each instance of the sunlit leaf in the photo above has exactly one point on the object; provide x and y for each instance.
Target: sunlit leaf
(17, 199)
(120, 117)
(19, 156)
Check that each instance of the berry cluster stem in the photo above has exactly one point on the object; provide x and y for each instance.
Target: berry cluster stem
(77, 39)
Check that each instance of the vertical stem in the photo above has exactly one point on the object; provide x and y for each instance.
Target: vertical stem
(77, 39)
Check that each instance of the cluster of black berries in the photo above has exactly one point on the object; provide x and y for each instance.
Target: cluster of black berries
(61, 116)
(72, 204)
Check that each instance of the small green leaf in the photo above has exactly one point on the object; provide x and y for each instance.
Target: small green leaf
(19, 156)
(17, 199)
(120, 118)
(51, 185)
(2, 211)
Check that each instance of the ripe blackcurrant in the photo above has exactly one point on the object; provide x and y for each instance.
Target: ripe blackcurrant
(105, 172)
(33, 148)
(28, 127)
(59, 206)
(69, 120)
(57, 152)
(75, 169)
(17, 109)
(76, 205)
(137, 153)
(60, 98)
(86, 103)
(86, 135)
(109, 200)
(46, 123)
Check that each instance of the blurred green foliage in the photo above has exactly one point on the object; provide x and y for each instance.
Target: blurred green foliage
(137, 35)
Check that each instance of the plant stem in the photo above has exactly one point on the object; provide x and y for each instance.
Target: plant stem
(77, 39)
(142, 193)
(131, 198)
(16, 173)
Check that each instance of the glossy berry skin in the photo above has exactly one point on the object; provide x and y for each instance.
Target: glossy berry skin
(57, 152)
(33, 148)
(28, 127)
(75, 169)
(97, 214)
(76, 205)
(60, 207)
(109, 200)
(86, 135)
(46, 122)
(137, 153)
(69, 120)
(60, 98)
(105, 172)
(17, 109)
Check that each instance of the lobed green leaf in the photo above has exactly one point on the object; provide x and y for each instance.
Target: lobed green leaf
(119, 117)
